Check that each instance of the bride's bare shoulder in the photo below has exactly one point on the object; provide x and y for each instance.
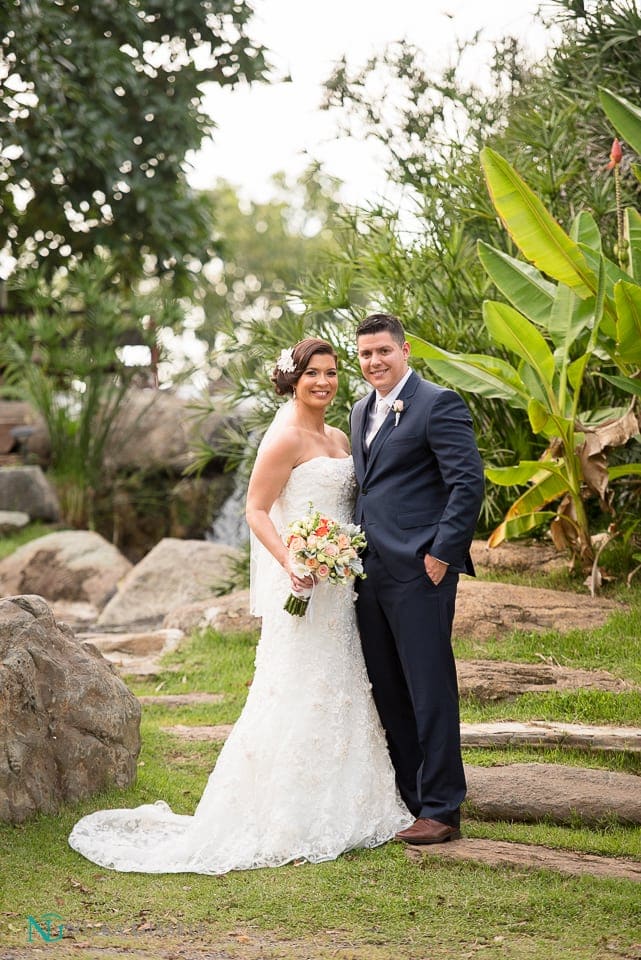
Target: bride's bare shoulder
(340, 438)
(283, 443)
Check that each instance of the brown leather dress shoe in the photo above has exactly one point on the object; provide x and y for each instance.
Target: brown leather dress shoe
(426, 830)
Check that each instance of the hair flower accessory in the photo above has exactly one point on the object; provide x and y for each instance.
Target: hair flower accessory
(397, 407)
(285, 362)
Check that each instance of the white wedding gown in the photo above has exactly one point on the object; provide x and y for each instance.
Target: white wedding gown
(305, 773)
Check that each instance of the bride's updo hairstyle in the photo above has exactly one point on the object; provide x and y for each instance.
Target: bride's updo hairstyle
(293, 362)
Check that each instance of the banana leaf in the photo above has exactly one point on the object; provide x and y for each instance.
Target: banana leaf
(624, 470)
(518, 527)
(624, 116)
(576, 371)
(585, 230)
(523, 472)
(632, 224)
(534, 385)
(521, 283)
(475, 373)
(569, 317)
(543, 491)
(627, 297)
(512, 330)
(533, 229)
(539, 416)
(629, 384)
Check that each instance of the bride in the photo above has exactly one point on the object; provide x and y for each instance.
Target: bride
(305, 773)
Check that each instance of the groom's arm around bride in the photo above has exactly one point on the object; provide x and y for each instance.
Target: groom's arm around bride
(420, 491)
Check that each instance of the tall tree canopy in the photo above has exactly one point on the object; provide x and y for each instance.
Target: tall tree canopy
(99, 103)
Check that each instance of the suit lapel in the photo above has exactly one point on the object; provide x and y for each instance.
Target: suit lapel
(389, 423)
(361, 421)
(378, 441)
(367, 409)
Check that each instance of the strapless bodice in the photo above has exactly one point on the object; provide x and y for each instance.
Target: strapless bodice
(327, 483)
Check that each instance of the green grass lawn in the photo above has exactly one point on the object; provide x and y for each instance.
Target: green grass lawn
(373, 904)
(368, 904)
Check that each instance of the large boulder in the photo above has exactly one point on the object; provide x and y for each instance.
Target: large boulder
(531, 556)
(157, 429)
(27, 490)
(73, 565)
(69, 727)
(485, 609)
(174, 573)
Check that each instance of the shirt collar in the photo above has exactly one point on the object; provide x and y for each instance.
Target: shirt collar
(394, 392)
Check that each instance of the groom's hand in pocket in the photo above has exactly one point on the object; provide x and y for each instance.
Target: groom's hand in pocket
(435, 569)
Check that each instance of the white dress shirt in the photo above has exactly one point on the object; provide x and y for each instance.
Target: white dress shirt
(381, 407)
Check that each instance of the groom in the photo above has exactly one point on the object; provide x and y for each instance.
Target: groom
(421, 487)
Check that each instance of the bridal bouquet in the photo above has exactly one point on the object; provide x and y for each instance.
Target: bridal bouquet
(325, 549)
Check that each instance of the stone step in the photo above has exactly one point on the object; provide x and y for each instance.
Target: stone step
(543, 733)
(499, 853)
(525, 792)
(137, 653)
(502, 733)
(530, 792)
(181, 700)
(501, 679)
(219, 732)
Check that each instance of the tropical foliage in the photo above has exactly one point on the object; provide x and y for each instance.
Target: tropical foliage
(545, 118)
(586, 323)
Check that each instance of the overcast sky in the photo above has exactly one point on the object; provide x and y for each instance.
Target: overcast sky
(267, 128)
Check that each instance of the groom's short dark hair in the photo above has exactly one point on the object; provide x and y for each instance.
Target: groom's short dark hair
(381, 323)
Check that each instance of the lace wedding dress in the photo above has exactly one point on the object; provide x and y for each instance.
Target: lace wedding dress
(305, 773)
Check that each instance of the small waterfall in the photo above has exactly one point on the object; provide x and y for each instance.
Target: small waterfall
(230, 526)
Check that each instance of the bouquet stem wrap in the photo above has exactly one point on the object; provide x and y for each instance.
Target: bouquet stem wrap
(298, 601)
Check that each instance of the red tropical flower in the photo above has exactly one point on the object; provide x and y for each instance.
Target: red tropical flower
(616, 155)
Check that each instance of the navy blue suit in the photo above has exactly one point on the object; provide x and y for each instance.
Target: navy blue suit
(421, 488)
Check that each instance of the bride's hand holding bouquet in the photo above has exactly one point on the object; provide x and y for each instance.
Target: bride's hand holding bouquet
(323, 549)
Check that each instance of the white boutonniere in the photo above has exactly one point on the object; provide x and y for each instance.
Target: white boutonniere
(397, 407)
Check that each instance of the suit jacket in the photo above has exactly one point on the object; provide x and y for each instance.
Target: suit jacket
(421, 483)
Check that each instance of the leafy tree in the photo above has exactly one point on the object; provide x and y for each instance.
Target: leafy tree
(99, 104)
